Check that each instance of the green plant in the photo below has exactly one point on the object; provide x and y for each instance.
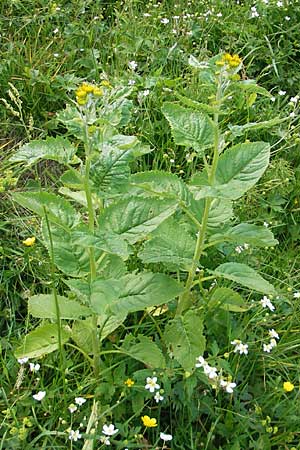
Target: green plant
(137, 241)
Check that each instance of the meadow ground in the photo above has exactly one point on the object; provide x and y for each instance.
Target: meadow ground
(150, 190)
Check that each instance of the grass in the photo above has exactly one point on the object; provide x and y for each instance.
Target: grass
(48, 49)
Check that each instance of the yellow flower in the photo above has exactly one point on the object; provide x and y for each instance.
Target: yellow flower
(29, 242)
(85, 89)
(149, 422)
(129, 382)
(231, 60)
(288, 386)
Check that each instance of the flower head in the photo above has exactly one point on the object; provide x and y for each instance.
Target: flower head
(288, 386)
(109, 430)
(149, 422)
(74, 435)
(201, 362)
(273, 334)
(296, 295)
(151, 384)
(85, 90)
(132, 65)
(39, 396)
(158, 398)
(80, 401)
(129, 382)
(240, 347)
(29, 242)
(105, 440)
(227, 386)
(266, 303)
(23, 360)
(211, 372)
(34, 367)
(72, 408)
(267, 348)
(165, 437)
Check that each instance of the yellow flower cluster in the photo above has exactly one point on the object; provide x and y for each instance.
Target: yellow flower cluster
(84, 90)
(232, 61)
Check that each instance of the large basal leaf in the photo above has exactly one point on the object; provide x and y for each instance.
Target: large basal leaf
(184, 338)
(134, 218)
(170, 243)
(43, 306)
(56, 149)
(142, 290)
(244, 275)
(189, 128)
(227, 299)
(153, 183)
(246, 233)
(57, 209)
(147, 352)
(41, 341)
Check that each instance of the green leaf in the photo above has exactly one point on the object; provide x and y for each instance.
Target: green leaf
(247, 233)
(56, 149)
(250, 86)
(220, 212)
(110, 170)
(147, 352)
(203, 107)
(43, 306)
(142, 290)
(41, 341)
(155, 182)
(170, 243)
(82, 330)
(133, 218)
(227, 299)
(239, 130)
(189, 128)
(106, 241)
(69, 257)
(244, 275)
(104, 293)
(184, 338)
(239, 168)
(58, 210)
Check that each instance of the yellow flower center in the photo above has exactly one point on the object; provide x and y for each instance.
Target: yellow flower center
(129, 382)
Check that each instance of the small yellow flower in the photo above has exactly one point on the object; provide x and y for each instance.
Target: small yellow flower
(149, 422)
(29, 242)
(129, 382)
(105, 83)
(288, 386)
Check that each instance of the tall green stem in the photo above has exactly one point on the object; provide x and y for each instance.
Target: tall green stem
(57, 310)
(93, 272)
(185, 300)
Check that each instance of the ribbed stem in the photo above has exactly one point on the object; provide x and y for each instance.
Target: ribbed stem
(185, 300)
